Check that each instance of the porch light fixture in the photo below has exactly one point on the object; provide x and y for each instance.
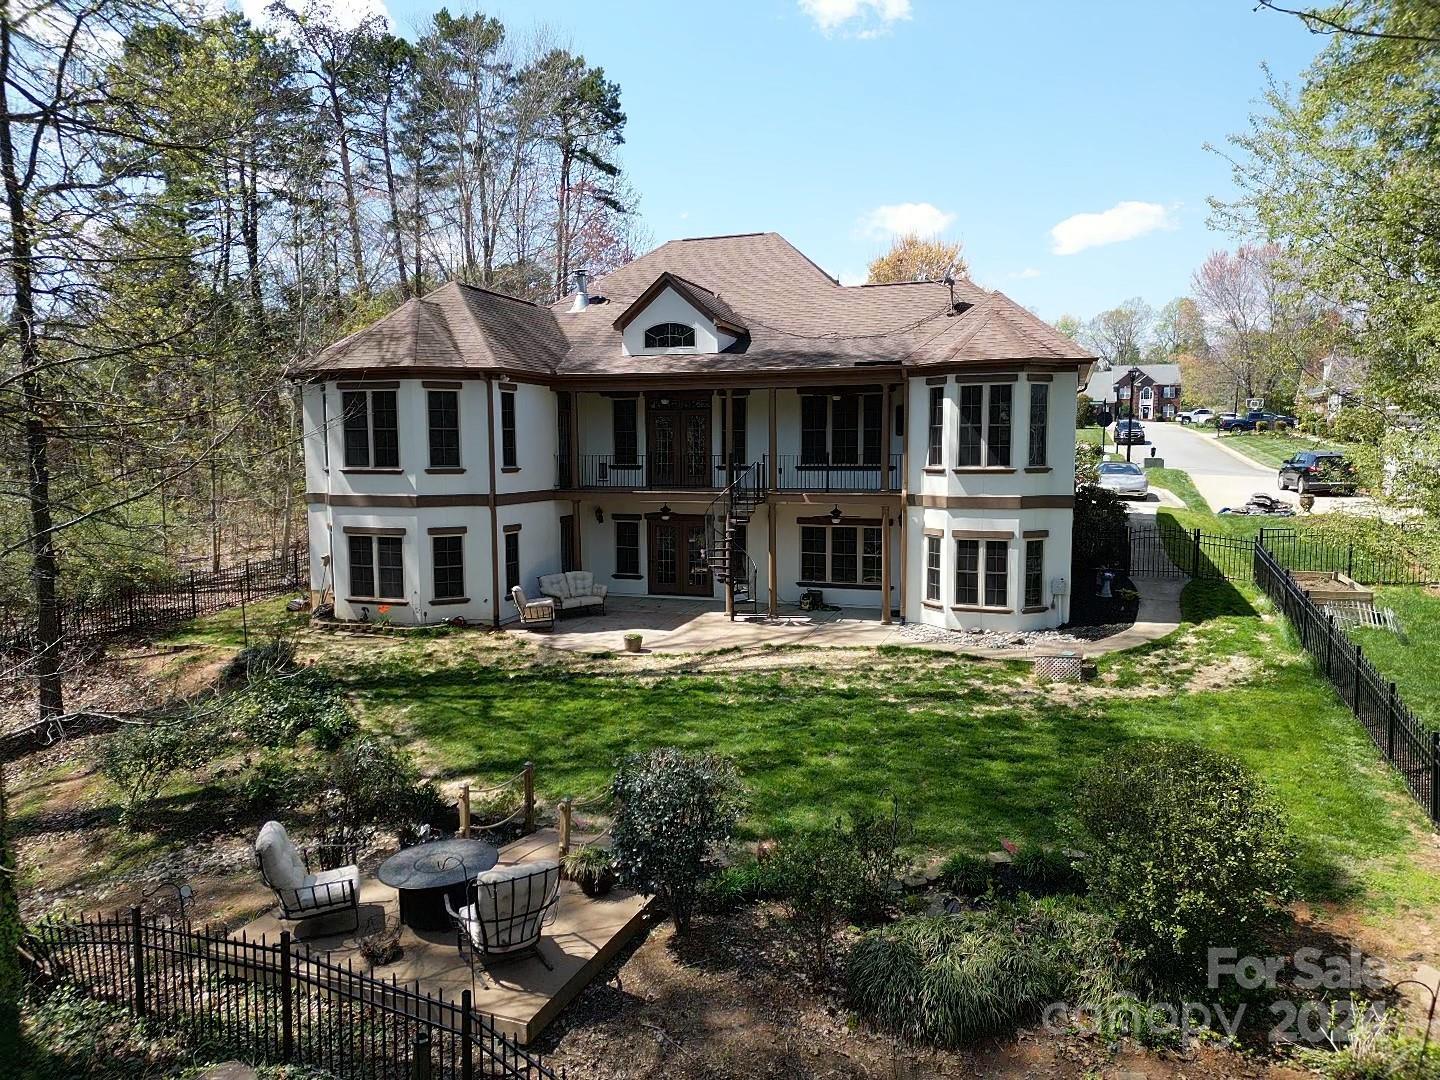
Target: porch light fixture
(835, 515)
(599, 516)
(664, 511)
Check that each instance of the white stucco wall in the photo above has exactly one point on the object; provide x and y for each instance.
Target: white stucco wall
(669, 306)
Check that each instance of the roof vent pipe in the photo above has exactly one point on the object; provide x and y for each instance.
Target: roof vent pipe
(582, 293)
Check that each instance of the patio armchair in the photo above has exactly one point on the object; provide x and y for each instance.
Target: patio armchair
(505, 912)
(536, 613)
(302, 894)
(575, 590)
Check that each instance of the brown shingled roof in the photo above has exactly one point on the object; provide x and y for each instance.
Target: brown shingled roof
(794, 316)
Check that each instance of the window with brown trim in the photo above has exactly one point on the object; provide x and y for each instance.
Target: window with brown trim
(871, 555)
(625, 428)
(569, 559)
(967, 572)
(508, 456)
(971, 414)
(443, 409)
(377, 570)
(512, 560)
(448, 562)
(932, 568)
(371, 429)
(1039, 423)
(738, 410)
(1034, 573)
(937, 426)
(627, 548)
(997, 573)
(670, 335)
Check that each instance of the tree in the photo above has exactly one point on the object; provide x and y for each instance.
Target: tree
(1344, 175)
(1070, 326)
(1120, 336)
(915, 258)
(1179, 330)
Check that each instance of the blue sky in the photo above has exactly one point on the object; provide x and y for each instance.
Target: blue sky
(833, 121)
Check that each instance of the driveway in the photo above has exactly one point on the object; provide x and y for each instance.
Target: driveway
(1223, 476)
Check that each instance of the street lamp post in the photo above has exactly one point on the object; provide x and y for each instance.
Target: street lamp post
(1134, 373)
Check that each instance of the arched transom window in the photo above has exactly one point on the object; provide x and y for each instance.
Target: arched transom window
(670, 335)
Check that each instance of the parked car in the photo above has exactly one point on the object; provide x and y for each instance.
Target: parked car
(1129, 431)
(1125, 478)
(1254, 416)
(1197, 416)
(1318, 472)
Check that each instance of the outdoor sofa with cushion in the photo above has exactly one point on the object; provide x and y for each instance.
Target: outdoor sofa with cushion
(304, 895)
(574, 590)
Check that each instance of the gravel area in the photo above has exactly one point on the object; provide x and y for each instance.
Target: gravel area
(998, 639)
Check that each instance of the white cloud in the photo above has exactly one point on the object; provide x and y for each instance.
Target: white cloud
(1123, 221)
(1027, 273)
(861, 18)
(849, 277)
(923, 219)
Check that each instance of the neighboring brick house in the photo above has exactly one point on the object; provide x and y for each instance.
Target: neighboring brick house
(1157, 390)
(718, 416)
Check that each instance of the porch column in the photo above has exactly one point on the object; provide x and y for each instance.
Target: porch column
(576, 530)
(885, 565)
(573, 419)
(772, 571)
(727, 456)
(905, 497)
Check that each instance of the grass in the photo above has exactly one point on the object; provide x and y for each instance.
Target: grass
(263, 619)
(1410, 663)
(974, 750)
(1094, 435)
(1270, 450)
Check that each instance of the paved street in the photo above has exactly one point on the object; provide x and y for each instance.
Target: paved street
(1221, 476)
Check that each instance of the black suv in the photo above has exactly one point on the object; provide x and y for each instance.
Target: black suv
(1318, 472)
(1129, 431)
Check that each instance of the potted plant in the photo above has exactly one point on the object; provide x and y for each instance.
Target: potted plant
(632, 642)
(590, 867)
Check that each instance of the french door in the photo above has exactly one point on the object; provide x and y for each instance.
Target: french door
(678, 442)
(677, 564)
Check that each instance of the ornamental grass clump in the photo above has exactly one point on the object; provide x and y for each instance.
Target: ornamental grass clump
(1189, 851)
(950, 980)
(673, 810)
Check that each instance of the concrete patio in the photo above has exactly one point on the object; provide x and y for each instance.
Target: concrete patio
(522, 995)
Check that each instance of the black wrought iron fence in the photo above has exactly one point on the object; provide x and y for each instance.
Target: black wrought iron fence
(158, 605)
(1407, 743)
(272, 1003)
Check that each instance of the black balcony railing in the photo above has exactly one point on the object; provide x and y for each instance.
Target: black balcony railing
(796, 473)
(689, 472)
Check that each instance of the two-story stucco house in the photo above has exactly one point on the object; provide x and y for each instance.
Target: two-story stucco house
(718, 418)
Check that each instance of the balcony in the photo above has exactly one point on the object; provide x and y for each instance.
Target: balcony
(794, 473)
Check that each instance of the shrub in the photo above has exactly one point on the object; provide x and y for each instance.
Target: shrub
(735, 886)
(1281, 427)
(949, 980)
(1262, 426)
(140, 760)
(278, 784)
(263, 660)
(822, 880)
(1043, 871)
(1374, 1048)
(1087, 463)
(672, 808)
(275, 709)
(67, 1036)
(966, 874)
(1189, 851)
(370, 783)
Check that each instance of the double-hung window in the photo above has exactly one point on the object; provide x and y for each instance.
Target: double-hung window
(447, 553)
(372, 429)
(738, 408)
(840, 554)
(509, 458)
(512, 560)
(814, 434)
(627, 548)
(845, 430)
(1039, 423)
(997, 434)
(932, 569)
(1034, 573)
(967, 572)
(376, 568)
(997, 573)
(625, 429)
(971, 416)
(937, 426)
(443, 409)
(841, 429)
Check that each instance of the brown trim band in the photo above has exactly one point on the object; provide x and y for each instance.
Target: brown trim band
(979, 607)
(937, 533)
(509, 498)
(357, 470)
(508, 387)
(858, 586)
(1035, 534)
(376, 600)
(825, 520)
(513, 528)
(627, 517)
(935, 380)
(438, 384)
(993, 502)
(981, 534)
(998, 469)
(988, 377)
(1033, 610)
(365, 530)
(389, 385)
(447, 530)
(1036, 376)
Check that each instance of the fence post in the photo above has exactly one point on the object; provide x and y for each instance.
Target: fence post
(467, 1063)
(1350, 560)
(1355, 687)
(420, 1064)
(465, 810)
(194, 603)
(287, 1001)
(529, 795)
(1195, 559)
(137, 969)
(1329, 644)
(567, 807)
(1435, 776)
(1390, 725)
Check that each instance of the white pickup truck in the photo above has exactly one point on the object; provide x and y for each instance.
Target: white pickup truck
(1198, 416)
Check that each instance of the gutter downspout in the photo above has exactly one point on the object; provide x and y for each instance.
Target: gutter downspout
(494, 517)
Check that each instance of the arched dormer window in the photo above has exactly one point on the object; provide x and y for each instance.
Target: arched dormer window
(670, 335)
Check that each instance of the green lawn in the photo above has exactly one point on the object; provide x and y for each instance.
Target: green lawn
(1269, 449)
(974, 751)
(1094, 435)
(1411, 663)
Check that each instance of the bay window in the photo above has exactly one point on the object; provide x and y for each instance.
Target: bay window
(840, 554)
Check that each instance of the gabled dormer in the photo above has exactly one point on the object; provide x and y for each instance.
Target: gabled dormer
(676, 316)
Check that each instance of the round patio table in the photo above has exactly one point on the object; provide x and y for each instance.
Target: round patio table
(426, 873)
